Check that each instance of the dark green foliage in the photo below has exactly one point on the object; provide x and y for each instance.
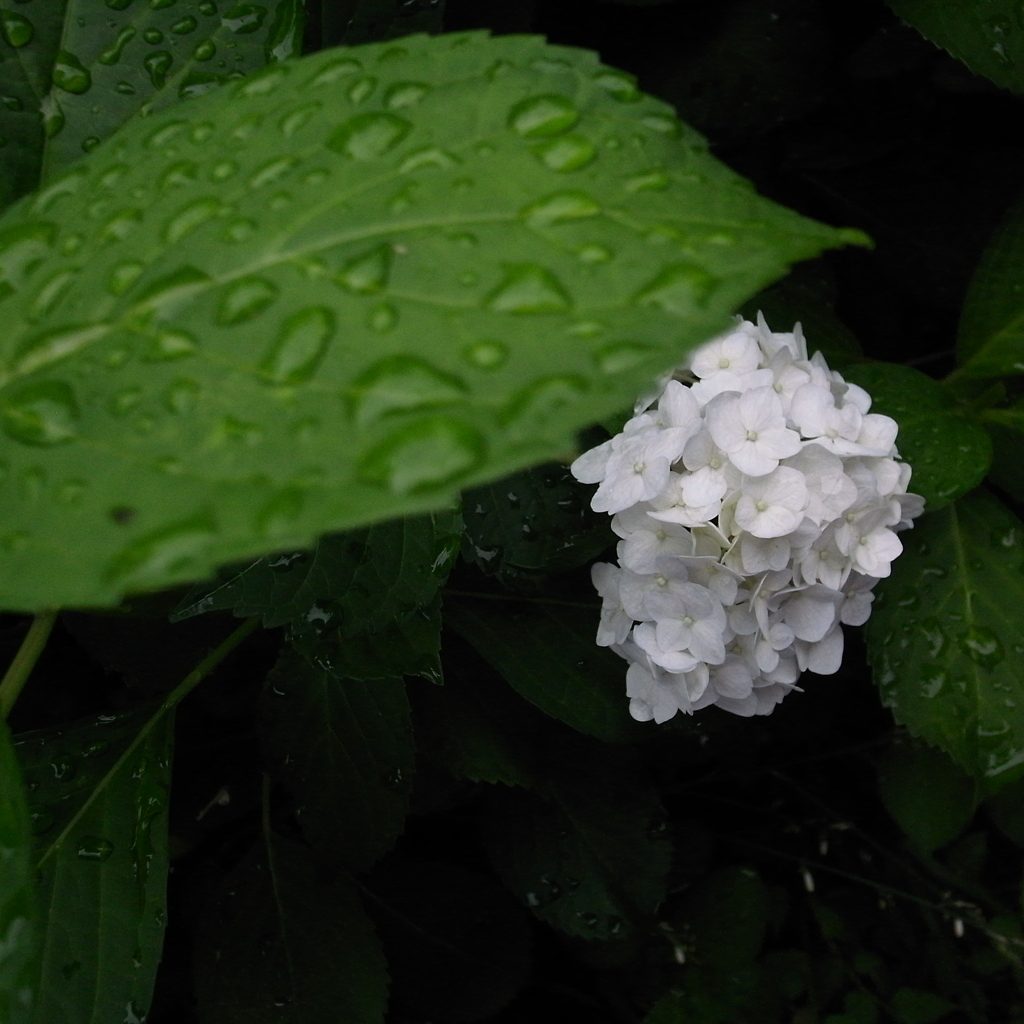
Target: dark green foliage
(286, 942)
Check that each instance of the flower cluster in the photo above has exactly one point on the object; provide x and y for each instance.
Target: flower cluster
(757, 501)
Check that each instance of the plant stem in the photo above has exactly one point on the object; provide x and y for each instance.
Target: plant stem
(171, 701)
(25, 660)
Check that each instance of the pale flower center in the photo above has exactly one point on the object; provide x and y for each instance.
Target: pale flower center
(751, 435)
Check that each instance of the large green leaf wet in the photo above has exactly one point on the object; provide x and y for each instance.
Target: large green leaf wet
(946, 641)
(341, 290)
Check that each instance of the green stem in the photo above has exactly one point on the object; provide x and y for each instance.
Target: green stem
(170, 702)
(25, 660)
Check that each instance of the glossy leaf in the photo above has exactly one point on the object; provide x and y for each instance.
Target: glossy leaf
(987, 35)
(990, 340)
(948, 450)
(287, 943)
(353, 582)
(350, 22)
(1007, 469)
(532, 522)
(946, 640)
(457, 944)
(344, 750)
(728, 917)
(546, 652)
(99, 810)
(92, 74)
(584, 854)
(927, 794)
(19, 916)
(426, 269)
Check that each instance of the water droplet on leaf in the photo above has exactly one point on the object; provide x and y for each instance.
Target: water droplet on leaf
(679, 289)
(334, 70)
(560, 208)
(43, 413)
(486, 355)
(368, 136)
(382, 318)
(165, 554)
(170, 345)
(246, 299)
(424, 456)
(621, 356)
(183, 26)
(16, 28)
(401, 383)
(368, 272)
(982, 646)
(244, 19)
(541, 116)
(569, 153)
(92, 848)
(190, 218)
(528, 288)
(172, 288)
(298, 118)
(618, 84)
(112, 55)
(157, 64)
(300, 346)
(405, 94)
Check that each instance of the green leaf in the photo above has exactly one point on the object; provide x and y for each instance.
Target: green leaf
(1006, 811)
(371, 21)
(985, 34)
(19, 915)
(353, 582)
(585, 854)
(288, 943)
(475, 728)
(927, 794)
(913, 1006)
(948, 451)
(399, 271)
(728, 916)
(946, 639)
(537, 520)
(344, 749)
(546, 652)
(99, 808)
(990, 339)
(1007, 469)
(457, 944)
(92, 73)
(744, 995)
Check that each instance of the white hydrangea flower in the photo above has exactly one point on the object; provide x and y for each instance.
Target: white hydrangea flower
(757, 501)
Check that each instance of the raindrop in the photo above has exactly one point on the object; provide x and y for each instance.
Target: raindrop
(244, 19)
(125, 89)
(272, 171)
(91, 848)
(53, 116)
(589, 919)
(423, 456)
(982, 646)
(170, 345)
(263, 83)
(170, 552)
(165, 134)
(368, 136)
(382, 318)
(12, 103)
(485, 355)
(335, 70)
(560, 208)
(183, 172)
(392, 779)
(650, 181)
(298, 118)
(238, 230)
(541, 116)
(569, 153)
(182, 395)
(22, 249)
(1006, 537)
(621, 356)
(112, 55)
(405, 94)
(245, 300)
(300, 346)
(430, 157)
(932, 683)
(190, 218)
(679, 289)
(51, 293)
(618, 84)
(594, 253)
(120, 225)
(208, 7)
(159, 5)
(316, 177)
(528, 288)
(223, 169)
(112, 175)
(663, 124)
(368, 272)
(157, 64)
(537, 405)
(401, 383)
(122, 402)
(153, 36)
(361, 89)
(70, 493)
(41, 822)
(179, 284)
(183, 26)
(206, 50)
(17, 29)
(117, 5)
(52, 346)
